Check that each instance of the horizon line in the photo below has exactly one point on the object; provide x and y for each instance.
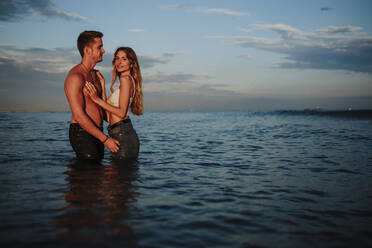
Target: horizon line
(189, 110)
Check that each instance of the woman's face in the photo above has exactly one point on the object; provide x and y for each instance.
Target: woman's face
(122, 63)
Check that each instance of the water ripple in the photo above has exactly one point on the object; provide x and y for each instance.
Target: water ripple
(209, 179)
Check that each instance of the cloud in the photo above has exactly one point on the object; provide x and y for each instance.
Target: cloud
(145, 61)
(225, 12)
(178, 6)
(331, 48)
(335, 30)
(11, 10)
(186, 7)
(14, 10)
(216, 90)
(184, 84)
(171, 54)
(161, 77)
(247, 30)
(285, 31)
(30, 77)
(58, 60)
(33, 78)
(148, 61)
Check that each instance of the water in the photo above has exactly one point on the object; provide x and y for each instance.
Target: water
(203, 179)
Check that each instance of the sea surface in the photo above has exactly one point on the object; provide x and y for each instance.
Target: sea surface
(203, 179)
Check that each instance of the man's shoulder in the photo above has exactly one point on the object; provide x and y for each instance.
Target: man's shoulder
(75, 70)
(74, 75)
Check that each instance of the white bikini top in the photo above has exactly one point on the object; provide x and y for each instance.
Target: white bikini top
(114, 97)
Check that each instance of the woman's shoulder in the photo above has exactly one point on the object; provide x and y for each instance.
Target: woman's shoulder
(126, 79)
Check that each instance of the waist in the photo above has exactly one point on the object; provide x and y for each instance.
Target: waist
(77, 126)
(94, 113)
(118, 123)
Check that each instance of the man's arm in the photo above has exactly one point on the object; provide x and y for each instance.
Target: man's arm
(74, 93)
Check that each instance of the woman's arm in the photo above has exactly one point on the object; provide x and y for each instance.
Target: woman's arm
(121, 111)
(103, 84)
(101, 79)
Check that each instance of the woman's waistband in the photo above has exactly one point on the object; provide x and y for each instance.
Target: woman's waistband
(116, 124)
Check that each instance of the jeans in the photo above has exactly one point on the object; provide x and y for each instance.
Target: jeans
(124, 132)
(84, 144)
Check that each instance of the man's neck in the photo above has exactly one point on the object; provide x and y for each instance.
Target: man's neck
(88, 65)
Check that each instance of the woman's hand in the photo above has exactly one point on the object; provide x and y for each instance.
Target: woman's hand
(91, 91)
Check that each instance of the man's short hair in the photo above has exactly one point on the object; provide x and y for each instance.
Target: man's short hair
(85, 38)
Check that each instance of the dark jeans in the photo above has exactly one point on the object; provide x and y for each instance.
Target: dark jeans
(124, 132)
(85, 145)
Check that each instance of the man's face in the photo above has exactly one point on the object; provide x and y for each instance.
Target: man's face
(96, 49)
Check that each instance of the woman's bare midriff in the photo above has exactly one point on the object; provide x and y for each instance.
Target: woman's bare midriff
(114, 118)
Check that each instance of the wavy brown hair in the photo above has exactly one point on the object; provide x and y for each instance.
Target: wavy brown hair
(135, 72)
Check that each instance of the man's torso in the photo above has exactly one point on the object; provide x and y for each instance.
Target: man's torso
(93, 110)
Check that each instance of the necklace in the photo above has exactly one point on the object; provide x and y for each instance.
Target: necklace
(85, 68)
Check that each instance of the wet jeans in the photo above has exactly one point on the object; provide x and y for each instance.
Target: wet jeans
(129, 144)
(84, 144)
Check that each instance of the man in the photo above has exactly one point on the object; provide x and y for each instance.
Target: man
(86, 136)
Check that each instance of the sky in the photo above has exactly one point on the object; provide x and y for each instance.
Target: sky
(195, 55)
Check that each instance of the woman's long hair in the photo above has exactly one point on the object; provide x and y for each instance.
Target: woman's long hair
(135, 72)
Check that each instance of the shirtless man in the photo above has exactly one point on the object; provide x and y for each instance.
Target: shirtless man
(86, 135)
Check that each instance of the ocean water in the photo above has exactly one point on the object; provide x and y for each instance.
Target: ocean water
(203, 179)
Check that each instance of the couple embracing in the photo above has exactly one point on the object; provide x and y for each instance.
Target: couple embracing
(85, 92)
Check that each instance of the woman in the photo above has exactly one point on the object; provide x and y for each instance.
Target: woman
(127, 96)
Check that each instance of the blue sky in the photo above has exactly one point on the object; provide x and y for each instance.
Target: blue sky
(246, 54)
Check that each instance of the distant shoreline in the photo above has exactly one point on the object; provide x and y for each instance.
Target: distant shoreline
(310, 110)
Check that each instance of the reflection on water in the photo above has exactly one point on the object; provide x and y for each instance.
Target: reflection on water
(99, 199)
(210, 179)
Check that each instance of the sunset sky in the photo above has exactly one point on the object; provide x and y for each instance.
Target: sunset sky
(241, 54)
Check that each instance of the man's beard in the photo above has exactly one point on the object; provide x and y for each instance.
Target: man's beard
(100, 59)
